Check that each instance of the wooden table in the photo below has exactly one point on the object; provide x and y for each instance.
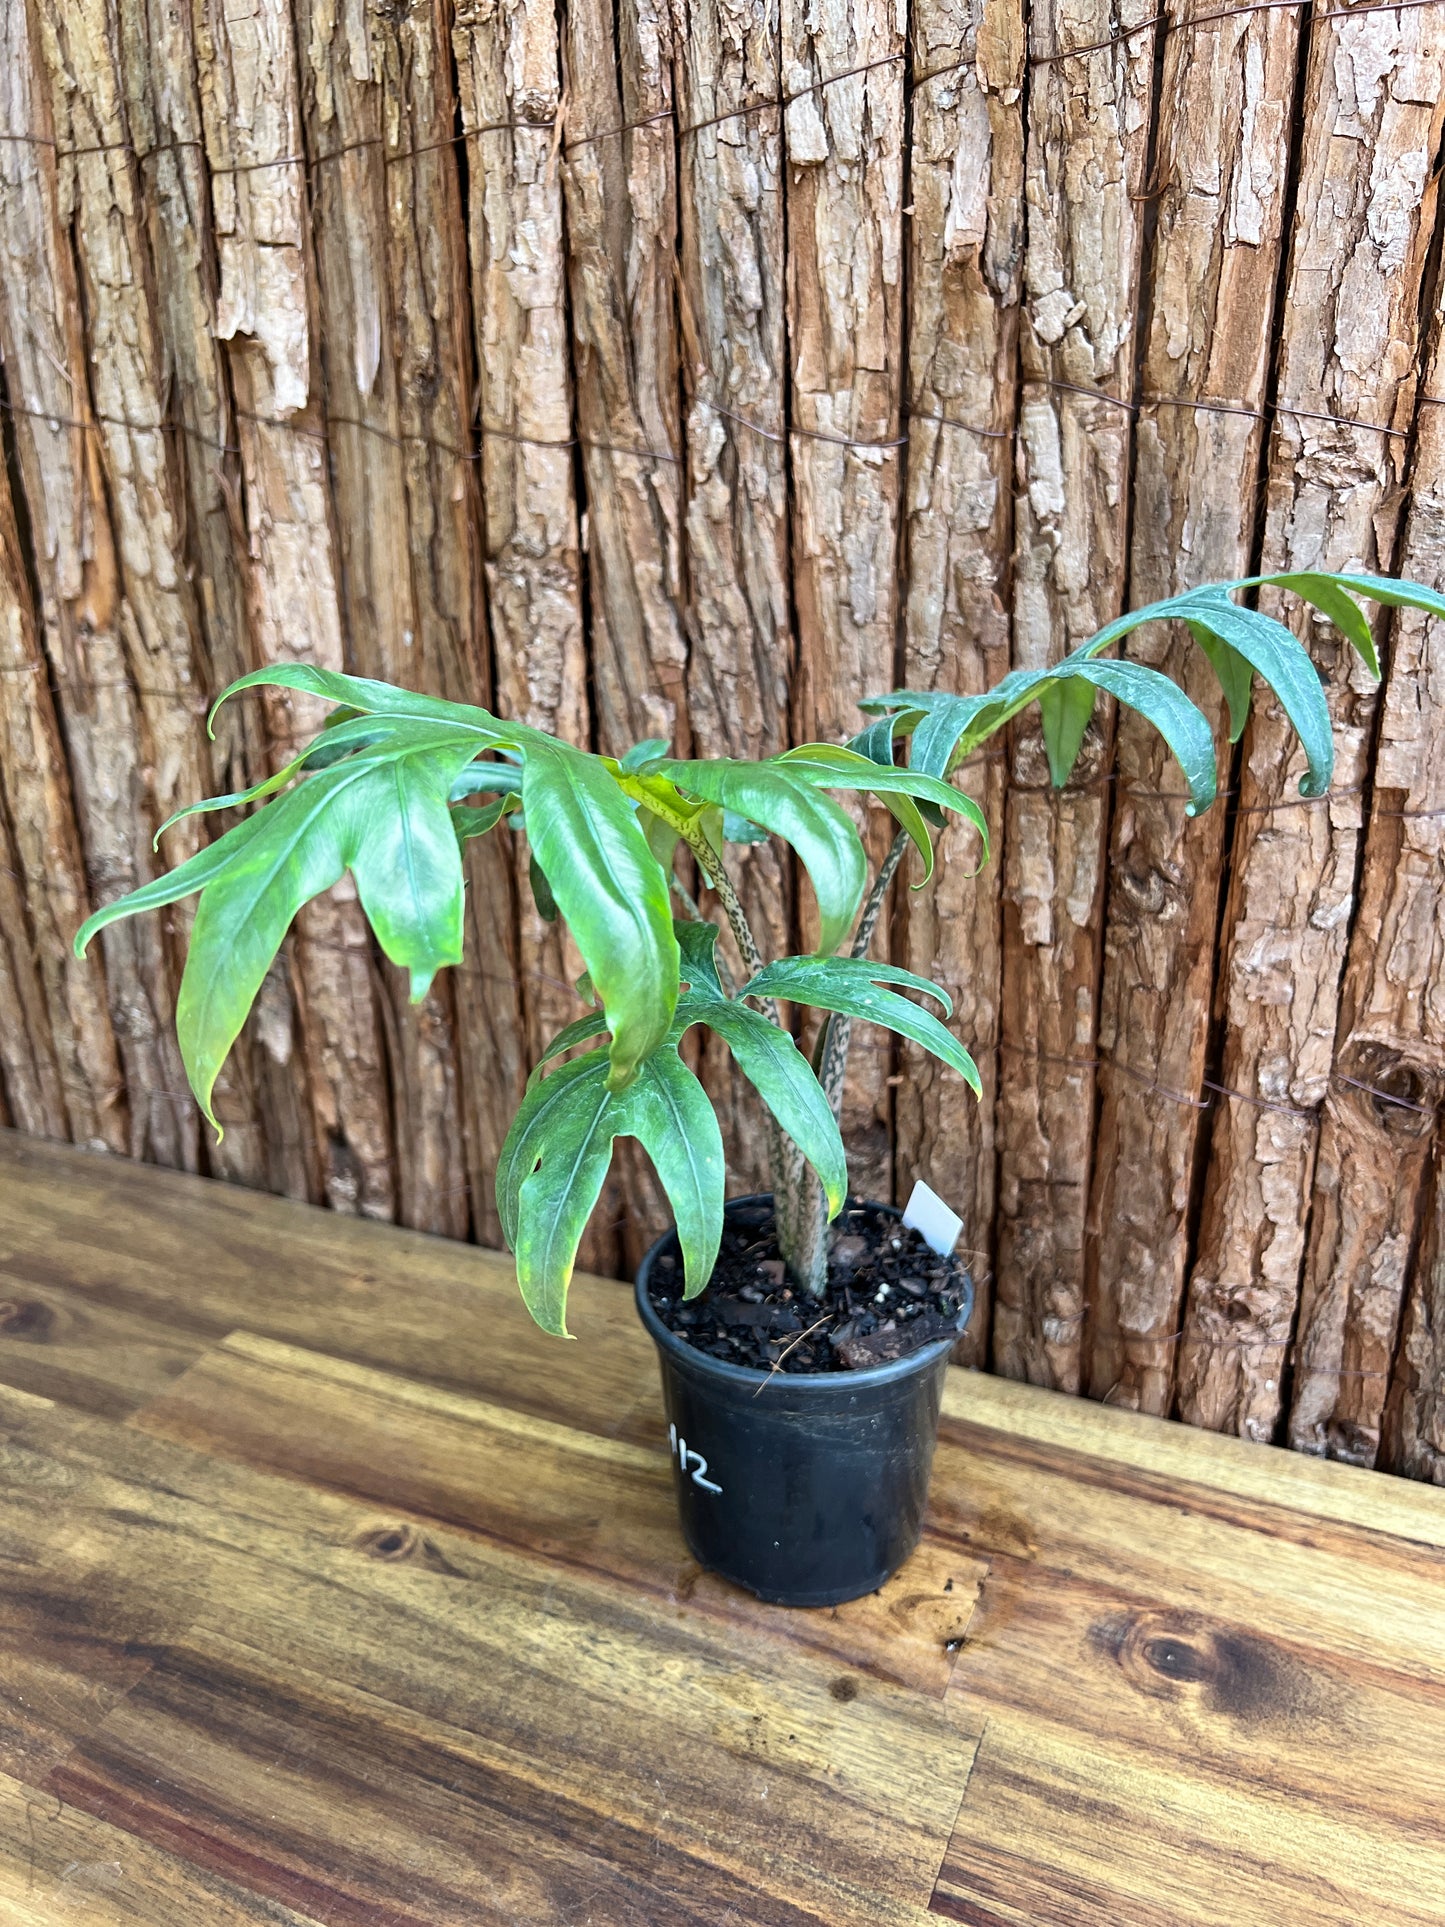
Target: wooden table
(331, 1591)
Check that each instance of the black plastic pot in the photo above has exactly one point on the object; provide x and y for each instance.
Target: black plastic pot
(806, 1489)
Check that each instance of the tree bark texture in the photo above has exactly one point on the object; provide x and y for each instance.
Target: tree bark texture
(965, 260)
(1381, 1109)
(1374, 107)
(1087, 151)
(732, 333)
(842, 73)
(687, 369)
(1220, 179)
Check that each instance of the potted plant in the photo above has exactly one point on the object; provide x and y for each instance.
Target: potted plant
(803, 1389)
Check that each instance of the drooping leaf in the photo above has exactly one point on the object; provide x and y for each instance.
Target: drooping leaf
(1236, 677)
(611, 889)
(769, 1059)
(786, 803)
(380, 813)
(468, 822)
(555, 1161)
(1239, 642)
(854, 987)
(1066, 704)
(944, 729)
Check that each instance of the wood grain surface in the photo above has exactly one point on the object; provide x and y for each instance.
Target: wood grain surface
(332, 1592)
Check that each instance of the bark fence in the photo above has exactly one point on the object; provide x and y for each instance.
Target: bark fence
(693, 371)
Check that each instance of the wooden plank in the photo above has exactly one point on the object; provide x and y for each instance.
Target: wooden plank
(582, 1502)
(1185, 1455)
(1036, 1846)
(1414, 1434)
(1088, 131)
(1373, 110)
(408, 591)
(261, 1099)
(456, 1732)
(1221, 172)
(195, 1260)
(964, 266)
(60, 1867)
(1192, 1548)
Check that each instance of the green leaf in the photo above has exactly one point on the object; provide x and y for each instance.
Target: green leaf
(946, 728)
(1066, 704)
(611, 889)
(737, 829)
(487, 779)
(1327, 594)
(556, 1156)
(370, 698)
(644, 752)
(671, 1115)
(1280, 657)
(381, 813)
(785, 802)
(541, 892)
(852, 986)
(852, 769)
(1236, 677)
(549, 1177)
(697, 942)
(769, 1059)
(469, 823)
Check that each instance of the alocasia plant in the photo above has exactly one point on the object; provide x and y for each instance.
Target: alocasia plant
(391, 789)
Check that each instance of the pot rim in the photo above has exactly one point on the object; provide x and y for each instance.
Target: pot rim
(805, 1383)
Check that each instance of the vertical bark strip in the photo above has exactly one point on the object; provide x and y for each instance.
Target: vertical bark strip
(621, 194)
(1221, 170)
(1088, 132)
(408, 591)
(964, 265)
(95, 639)
(261, 1096)
(509, 80)
(46, 900)
(1414, 1437)
(619, 173)
(843, 139)
(735, 509)
(251, 109)
(1373, 1167)
(1373, 112)
(28, 1064)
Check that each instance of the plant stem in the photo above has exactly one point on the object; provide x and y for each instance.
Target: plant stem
(690, 904)
(786, 1168)
(808, 1260)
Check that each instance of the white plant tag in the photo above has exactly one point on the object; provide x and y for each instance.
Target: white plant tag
(930, 1217)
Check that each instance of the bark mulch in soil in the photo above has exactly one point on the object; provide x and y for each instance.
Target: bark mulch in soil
(888, 1294)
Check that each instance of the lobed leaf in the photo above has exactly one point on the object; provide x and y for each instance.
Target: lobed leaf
(769, 1059)
(611, 889)
(557, 1153)
(785, 802)
(853, 986)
